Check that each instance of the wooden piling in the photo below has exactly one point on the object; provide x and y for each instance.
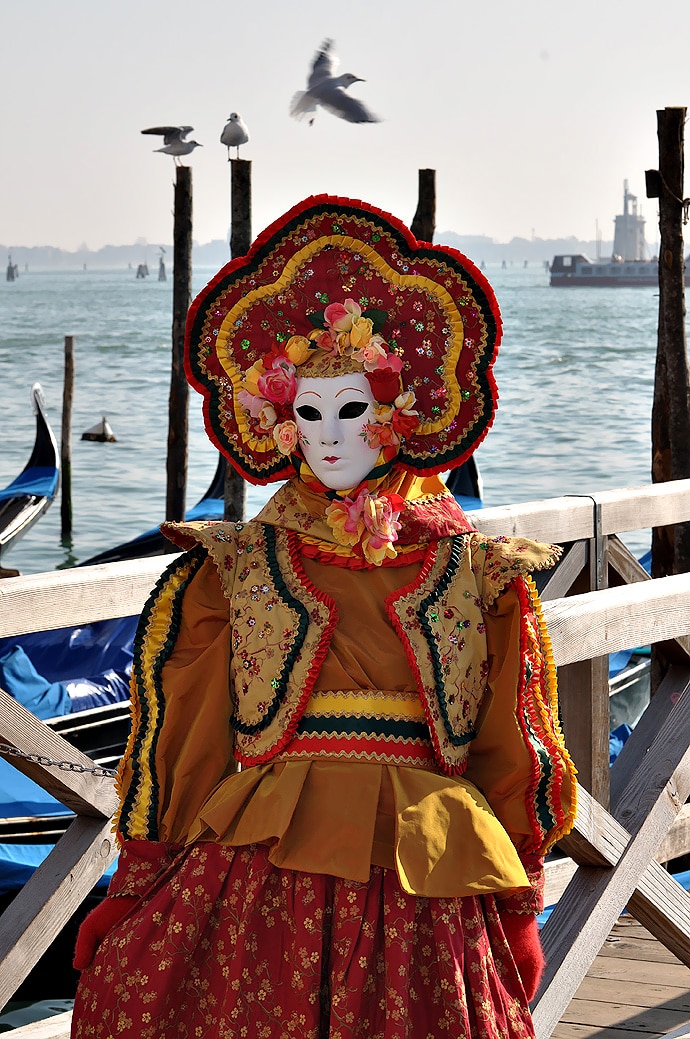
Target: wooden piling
(240, 240)
(424, 221)
(178, 426)
(671, 404)
(66, 445)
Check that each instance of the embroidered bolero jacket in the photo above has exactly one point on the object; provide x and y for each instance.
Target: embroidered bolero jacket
(278, 630)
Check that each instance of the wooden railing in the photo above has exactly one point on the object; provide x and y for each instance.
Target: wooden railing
(625, 815)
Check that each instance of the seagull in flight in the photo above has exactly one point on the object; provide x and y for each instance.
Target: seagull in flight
(330, 91)
(234, 133)
(175, 141)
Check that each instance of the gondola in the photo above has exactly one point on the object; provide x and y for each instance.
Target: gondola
(152, 543)
(24, 500)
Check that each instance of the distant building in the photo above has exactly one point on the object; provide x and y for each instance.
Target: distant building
(628, 240)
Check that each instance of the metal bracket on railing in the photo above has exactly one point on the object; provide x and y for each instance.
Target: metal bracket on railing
(598, 546)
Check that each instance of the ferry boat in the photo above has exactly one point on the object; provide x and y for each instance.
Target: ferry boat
(627, 266)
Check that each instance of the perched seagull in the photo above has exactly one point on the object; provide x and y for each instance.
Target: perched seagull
(234, 133)
(328, 90)
(174, 139)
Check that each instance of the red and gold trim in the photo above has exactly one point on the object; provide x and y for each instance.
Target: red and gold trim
(551, 796)
(388, 727)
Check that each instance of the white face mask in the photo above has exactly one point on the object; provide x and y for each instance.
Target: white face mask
(330, 416)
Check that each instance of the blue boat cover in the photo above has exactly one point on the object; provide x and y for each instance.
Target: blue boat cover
(21, 680)
(39, 480)
(21, 798)
(18, 861)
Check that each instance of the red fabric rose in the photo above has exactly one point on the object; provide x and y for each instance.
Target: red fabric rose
(404, 424)
(385, 384)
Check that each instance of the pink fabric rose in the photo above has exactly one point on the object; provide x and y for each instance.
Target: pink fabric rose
(278, 384)
(251, 403)
(371, 353)
(381, 518)
(339, 316)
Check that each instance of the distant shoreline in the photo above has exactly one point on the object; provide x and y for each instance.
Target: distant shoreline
(480, 249)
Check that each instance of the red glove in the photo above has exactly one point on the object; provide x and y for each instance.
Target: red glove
(97, 924)
(522, 935)
(141, 863)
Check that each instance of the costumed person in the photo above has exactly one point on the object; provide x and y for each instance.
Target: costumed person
(345, 764)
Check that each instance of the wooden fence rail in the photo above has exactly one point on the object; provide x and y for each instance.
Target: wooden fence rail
(613, 852)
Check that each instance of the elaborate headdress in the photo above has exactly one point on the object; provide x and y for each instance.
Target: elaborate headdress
(336, 286)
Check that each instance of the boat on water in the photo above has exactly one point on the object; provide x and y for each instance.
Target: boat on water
(627, 267)
(26, 498)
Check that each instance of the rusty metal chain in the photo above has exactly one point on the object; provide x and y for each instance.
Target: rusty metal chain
(6, 749)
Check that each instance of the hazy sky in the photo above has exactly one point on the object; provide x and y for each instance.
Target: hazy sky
(532, 112)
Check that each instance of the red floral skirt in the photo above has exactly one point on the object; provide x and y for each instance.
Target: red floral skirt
(226, 945)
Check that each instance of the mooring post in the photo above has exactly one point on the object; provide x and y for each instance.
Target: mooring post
(671, 405)
(66, 445)
(240, 240)
(424, 221)
(178, 425)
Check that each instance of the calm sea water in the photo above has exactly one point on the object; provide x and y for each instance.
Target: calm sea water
(575, 376)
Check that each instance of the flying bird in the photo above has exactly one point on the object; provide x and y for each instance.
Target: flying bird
(330, 91)
(174, 140)
(234, 133)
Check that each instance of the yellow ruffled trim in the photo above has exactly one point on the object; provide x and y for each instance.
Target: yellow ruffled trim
(143, 689)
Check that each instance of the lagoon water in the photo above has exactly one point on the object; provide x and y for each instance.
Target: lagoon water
(575, 374)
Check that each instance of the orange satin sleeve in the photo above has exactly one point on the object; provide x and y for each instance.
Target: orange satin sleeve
(194, 749)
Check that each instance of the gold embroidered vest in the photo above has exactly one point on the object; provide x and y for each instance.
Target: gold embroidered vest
(282, 625)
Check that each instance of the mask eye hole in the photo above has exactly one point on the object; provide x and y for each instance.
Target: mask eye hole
(308, 413)
(353, 409)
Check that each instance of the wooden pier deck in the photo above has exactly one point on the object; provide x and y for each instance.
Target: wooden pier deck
(634, 989)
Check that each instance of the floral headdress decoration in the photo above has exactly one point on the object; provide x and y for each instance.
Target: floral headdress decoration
(344, 338)
(337, 286)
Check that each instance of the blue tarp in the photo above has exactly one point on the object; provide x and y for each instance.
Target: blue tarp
(39, 480)
(68, 654)
(20, 679)
(18, 862)
(21, 798)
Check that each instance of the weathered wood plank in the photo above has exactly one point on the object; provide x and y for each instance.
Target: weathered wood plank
(47, 901)
(81, 792)
(659, 901)
(56, 1027)
(624, 563)
(552, 520)
(650, 505)
(683, 1032)
(640, 1020)
(605, 621)
(567, 571)
(557, 875)
(571, 517)
(584, 700)
(62, 598)
(677, 840)
(675, 686)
